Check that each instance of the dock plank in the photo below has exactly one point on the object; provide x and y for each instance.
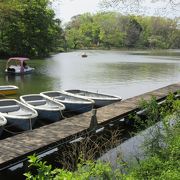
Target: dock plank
(121, 108)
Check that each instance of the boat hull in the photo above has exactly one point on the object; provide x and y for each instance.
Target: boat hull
(84, 56)
(51, 116)
(8, 92)
(23, 124)
(19, 73)
(101, 102)
(77, 107)
(1, 130)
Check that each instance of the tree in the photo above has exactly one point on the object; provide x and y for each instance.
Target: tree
(131, 3)
(133, 32)
(112, 29)
(31, 30)
(8, 11)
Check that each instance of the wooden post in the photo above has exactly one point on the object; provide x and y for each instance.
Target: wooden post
(30, 125)
(93, 123)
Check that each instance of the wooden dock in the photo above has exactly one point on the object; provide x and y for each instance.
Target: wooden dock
(16, 148)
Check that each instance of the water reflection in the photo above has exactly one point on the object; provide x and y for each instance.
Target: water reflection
(130, 72)
(15, 79)
(115, 72)
(28, 83)
(123, 73)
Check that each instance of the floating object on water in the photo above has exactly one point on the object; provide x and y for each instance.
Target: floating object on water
(84, 55)
(18, 65)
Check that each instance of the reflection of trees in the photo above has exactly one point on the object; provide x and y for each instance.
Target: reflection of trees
(134, 71)
(13, 78)
(38, 81)
(29, 83)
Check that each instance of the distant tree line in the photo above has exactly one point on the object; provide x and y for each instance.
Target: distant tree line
(111, 29)
(29, 28)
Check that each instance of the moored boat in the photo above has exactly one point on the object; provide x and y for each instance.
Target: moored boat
(72, 102)
(46, 108)
(3, 122)
(99, 99)
(18, 114)
(8, 89)
(18, 65)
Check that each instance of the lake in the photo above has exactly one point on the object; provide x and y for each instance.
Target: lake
(122, 73)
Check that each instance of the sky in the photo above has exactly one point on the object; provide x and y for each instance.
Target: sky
(65, 9)
(69, 8)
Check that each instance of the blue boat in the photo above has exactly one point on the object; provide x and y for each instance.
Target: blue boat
(46, 108)
(73, 103)
(99, 99)
(18, 114)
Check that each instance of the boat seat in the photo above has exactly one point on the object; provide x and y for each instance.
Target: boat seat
(9, 108)
(37, 102)
(81, 93)
(59, 97)
(20, 113)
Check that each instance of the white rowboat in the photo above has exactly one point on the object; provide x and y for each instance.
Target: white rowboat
(72, 102)
(18, 114)
(46, 108)
(99, 99)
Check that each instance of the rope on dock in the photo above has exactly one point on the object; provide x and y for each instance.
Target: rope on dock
(62, 115)
(14, 133)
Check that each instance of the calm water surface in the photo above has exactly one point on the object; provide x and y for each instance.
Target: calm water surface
(123, 73)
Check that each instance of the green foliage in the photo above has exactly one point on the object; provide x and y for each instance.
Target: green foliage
(163, 149)
(169, 106)
(111, 29)
(28, 28)
(165, 163)
(85, 170)
(152, 111)
(133, 32)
